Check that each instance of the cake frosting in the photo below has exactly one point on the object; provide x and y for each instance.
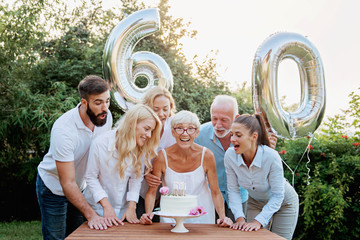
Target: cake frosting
(178, 205)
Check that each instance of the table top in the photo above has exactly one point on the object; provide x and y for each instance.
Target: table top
(162, 231)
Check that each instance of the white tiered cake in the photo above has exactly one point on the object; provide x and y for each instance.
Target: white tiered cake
(178, 203)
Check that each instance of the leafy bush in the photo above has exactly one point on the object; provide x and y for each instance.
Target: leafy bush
(330, 204)
(41, 63)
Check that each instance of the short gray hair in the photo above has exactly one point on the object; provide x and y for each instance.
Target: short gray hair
(185, 117)
(226, 99)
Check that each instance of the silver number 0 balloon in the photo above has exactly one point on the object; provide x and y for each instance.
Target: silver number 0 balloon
(305, 120)
(121, 67)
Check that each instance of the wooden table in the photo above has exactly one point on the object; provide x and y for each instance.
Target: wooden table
(162, 231)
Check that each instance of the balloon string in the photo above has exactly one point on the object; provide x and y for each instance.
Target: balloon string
(306, 165)
(307, 150)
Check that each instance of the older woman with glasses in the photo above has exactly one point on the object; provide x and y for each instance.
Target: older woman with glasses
(188, 162)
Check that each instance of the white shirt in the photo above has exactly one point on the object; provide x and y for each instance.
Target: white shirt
(69, 142)
(264, 180)
(166, 140)
(103, 177)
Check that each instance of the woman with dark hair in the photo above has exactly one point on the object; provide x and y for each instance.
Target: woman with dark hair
(253, 165)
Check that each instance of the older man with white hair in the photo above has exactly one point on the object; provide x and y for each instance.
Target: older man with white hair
(215, 135)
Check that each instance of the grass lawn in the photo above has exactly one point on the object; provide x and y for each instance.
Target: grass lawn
(20, 230)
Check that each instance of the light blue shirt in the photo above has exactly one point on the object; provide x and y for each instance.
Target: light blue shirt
(264, 180)
(208, 139)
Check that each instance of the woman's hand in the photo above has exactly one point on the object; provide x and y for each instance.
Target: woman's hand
(146, 218)
(240, 222)
(254, 225)
(110, 217)
(152, 180)
(130, 213)
(224, 222)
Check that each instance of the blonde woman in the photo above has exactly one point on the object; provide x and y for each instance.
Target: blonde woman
(188, 162)
(116, 164)
(161, 101)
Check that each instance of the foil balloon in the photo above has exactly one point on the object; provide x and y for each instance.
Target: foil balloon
(306, 119)
(122, 67)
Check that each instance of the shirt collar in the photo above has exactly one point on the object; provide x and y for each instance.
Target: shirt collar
(78, 121)
(257, 159)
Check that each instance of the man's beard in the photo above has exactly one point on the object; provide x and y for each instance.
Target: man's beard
(224, 134)
(94, 118)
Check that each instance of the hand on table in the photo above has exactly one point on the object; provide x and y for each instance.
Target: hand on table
(224, 222)
(240, 222)
(130, 216)
(254, 225)
(97, 222)
(111, 218)
(146, 218)
(152, 180)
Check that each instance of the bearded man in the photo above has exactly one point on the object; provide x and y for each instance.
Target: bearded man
(60, 180)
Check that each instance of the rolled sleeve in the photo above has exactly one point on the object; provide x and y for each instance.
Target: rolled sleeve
(233, 188)
(134, 187)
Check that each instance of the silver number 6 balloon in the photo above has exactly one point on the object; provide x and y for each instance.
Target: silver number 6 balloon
(121, 67)
(306, 119)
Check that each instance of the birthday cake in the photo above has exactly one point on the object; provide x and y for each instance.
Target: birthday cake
(177, 202)
(178, 205)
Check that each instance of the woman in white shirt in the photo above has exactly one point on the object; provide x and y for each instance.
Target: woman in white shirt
(161, 101)
(252, 165)
(116, 164)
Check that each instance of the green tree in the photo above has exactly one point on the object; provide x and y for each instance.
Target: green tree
(47, 48)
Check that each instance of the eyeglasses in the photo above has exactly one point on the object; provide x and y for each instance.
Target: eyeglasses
(189, 131)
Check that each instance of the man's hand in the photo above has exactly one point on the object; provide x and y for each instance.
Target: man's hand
(152, 180)
(97, 222)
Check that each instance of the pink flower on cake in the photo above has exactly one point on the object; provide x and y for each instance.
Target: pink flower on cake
(164, 190)
(197, 211)
(201, 210)
(193, 212)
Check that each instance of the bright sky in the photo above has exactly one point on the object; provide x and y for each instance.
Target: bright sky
(238, 27)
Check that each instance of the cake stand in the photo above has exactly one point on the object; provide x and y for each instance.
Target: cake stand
(179, 219)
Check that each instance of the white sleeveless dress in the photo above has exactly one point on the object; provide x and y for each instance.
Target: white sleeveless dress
(196, 184)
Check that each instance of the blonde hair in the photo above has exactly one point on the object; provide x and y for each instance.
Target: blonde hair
(155, 92)
(185, 117)
(125, 140)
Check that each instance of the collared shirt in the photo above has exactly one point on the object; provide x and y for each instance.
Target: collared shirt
(103, 178)
(69, 142)
(208, 139)
(264, 180)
